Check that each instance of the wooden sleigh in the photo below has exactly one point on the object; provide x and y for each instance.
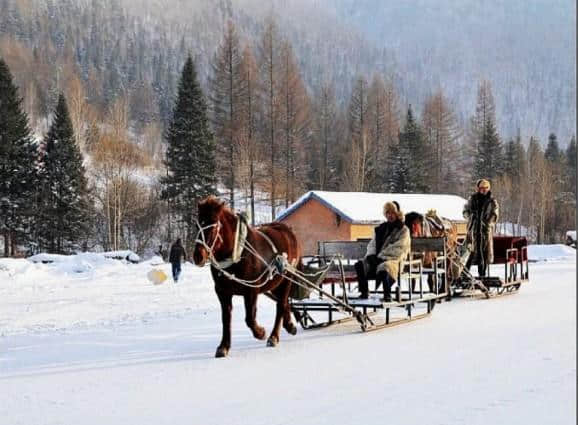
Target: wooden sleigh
(330, 296)
(512, 253)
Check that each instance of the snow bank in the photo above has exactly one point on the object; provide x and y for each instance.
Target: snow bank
(122, 255)
(556, 252)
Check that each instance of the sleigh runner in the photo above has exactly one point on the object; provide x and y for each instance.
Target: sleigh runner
(328, 297)
(509, 251)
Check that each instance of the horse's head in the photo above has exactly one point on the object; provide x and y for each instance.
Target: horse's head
(414, 221)
(212, 223)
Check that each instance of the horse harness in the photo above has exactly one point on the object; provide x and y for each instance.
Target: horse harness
(277, 265)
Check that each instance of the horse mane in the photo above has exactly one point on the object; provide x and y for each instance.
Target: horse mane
(276, 225)
(412, 217)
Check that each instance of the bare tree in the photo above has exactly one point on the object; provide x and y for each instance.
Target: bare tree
(82, 114)
(250, 111)
(441, 135)
(325, 140)
(360, 143)
(294, 113)
(383, 129)
(115, 162)
(269, 68)
(226, 87)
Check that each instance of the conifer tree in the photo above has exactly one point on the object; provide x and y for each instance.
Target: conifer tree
(488, 147)
(552, 152)
(17, 165)
(412, 149)
(399, 180)
(190, 159)
(63, 202)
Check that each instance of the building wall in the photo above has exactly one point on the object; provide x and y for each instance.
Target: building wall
(314, 222)
(362, 231)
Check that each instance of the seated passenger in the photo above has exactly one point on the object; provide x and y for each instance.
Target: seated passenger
(390, 244)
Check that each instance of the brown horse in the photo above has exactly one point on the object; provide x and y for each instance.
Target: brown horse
(258, 269)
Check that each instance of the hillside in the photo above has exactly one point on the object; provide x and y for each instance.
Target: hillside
(525, 48)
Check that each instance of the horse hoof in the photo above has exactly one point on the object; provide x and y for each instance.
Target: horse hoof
(260, 333)
(221, 352)
(272, 342)
(291, 328)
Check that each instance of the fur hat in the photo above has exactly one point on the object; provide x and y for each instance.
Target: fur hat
(483, 183)
(394, 208)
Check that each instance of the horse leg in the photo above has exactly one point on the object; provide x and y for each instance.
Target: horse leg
(287, 322)
(281, 293)
(226, 301)
(251, 314)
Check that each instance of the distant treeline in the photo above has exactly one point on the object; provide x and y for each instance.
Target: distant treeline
(254, 125)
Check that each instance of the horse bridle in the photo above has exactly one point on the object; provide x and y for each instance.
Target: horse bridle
(201, 232)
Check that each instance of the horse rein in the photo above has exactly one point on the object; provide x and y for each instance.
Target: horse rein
(269, 267)
(279, 265)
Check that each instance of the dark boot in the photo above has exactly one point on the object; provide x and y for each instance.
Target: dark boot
(482, 269)
(362, 284)
(387, 284)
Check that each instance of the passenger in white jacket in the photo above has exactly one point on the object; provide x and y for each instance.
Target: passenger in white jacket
(390, 244)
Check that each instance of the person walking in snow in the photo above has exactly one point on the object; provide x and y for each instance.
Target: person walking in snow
(482, 212)
(177, 252)
(390, 244)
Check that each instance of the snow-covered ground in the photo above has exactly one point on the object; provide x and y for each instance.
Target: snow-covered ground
(92, 341)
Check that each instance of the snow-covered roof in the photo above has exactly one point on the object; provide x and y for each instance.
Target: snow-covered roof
(367, 208)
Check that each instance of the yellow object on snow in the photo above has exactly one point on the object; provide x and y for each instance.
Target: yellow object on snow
(157, 276)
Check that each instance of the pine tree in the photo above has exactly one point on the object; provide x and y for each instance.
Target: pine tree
(190, 159)
(398, 163)
(64, 199)
(488, 147)
(413, 150)
(17, 165)
(552, 152)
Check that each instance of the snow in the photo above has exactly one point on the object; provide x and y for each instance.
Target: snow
(127, 255)
(363, 207)
(105, 345)
(556, 252)
(571, 234)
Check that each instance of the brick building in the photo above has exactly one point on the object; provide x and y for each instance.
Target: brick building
(318, 215)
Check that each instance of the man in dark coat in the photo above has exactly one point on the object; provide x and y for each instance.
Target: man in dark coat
(482, 212)
(390, 244)
(177, 252)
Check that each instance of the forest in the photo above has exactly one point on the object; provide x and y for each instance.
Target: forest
(118, 116)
